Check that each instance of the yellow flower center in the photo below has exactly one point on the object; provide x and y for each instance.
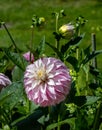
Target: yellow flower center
(41, 74)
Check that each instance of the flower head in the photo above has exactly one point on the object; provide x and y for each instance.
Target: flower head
(4, 81)
(29, 56)
(47, 81)
(67, 30)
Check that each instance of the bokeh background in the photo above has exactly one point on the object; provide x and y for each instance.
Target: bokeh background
(17, 14)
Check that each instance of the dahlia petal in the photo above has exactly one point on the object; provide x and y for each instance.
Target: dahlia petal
(51, 82)
(51, 90)
(4, 81)
(43, 89)
(50, 76)
(49, 68)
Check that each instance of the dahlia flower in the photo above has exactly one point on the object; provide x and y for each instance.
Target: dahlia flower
(4, 81)
(29, 56)
(47, 81)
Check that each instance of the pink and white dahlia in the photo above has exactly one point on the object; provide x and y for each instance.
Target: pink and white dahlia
(4, 81)
(29, 56)
(47, 81)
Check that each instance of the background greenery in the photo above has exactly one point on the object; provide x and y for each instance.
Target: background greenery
(18, 17)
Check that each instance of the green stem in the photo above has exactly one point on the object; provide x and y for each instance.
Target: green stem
(58, 128)
(57, 16)
(87, 79)
(10, 36)
(77, 53)
(97, 117)
(77, 89)
(77, 85)
(57, 42)
(94, 63)
(13, 43)
(31, 44)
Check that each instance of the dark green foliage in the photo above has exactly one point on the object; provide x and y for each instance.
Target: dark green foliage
(74, 41)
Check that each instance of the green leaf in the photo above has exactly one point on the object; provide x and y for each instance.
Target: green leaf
(81, 123)
(41, 47)
(15, 90)
(91, 100)
(4, 97)
(87, 50)
(80, 100)
(66, 121)
(17, 74)
(16, 58)
(55, 50)
(85, 100)
(26, 121)
(74, 41)
(73, 61)
(94, 71)
(91, 56)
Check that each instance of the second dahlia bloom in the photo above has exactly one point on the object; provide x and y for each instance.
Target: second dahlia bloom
(4, 81)
(47, 81)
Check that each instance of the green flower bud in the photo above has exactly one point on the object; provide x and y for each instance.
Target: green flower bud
(41, 20)
(71, 107)
(6, 127)
(73, 74)
(67, 31)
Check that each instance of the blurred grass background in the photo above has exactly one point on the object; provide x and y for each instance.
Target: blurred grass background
(17, 14)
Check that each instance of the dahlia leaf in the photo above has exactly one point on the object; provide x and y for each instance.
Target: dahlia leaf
(15, 90)
(94, 71)
(27, 121)
(85, 100)
(73, 61)
(16, 58)
(74, 41)
(87, 50)
(91, 99)
(66, 121)
(55, 50)
(17, 74)
(41, 47)
(4, 97)
(91, 56)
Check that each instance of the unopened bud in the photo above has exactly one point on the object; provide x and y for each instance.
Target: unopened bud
(29, 56)
(67, 31)
(41, 20)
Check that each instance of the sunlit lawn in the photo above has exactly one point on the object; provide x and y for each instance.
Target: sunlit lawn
(17, 15)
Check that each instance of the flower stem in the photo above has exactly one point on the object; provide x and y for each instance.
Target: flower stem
(57, 17)
(94, 61)
(94, 49)
(10, 35)
(77, 85)
(58, 128)
(13, 42)
(31, 43)
(97, 117)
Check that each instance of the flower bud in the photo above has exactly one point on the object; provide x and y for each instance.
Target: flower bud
(6, 127)
(67, 31)
(29, 57)
(41, 20)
